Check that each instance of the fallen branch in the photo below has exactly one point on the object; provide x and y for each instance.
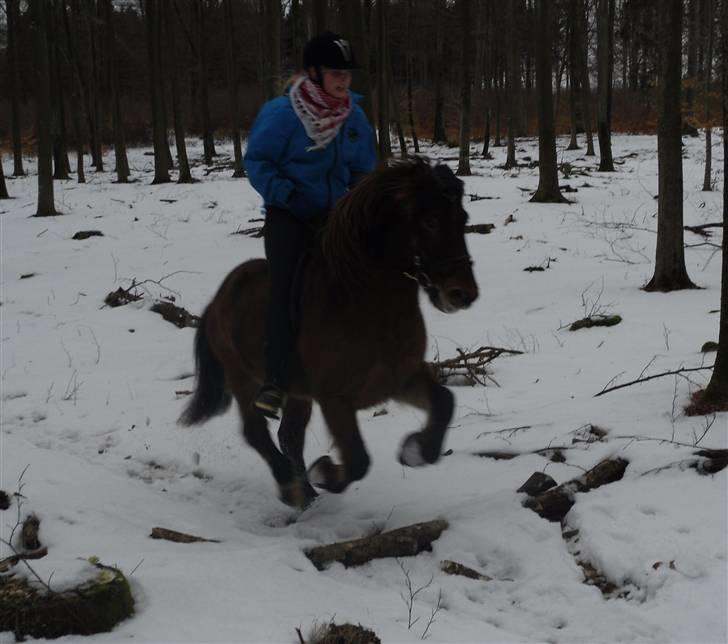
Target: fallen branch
(657, 375)
(470, 366)
(14, 560)
(455, 568)
(178, 316)
(556, 502)
(403, 542)
(702, 229)
(178, 537)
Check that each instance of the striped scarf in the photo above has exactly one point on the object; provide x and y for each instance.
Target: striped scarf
(320, 113)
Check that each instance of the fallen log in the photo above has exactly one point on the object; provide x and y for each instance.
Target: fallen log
(402, 542)
(177, 537)
(555, 503)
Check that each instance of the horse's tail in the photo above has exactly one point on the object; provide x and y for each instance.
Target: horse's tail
(210, 397)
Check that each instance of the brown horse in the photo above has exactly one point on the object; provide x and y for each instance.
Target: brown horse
(361, 335)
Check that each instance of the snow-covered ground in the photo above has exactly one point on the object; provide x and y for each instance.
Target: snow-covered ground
(90, 401)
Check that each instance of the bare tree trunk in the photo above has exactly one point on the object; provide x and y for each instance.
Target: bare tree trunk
(179, 133)
(12, 10)
(58, 108)
(716, 393)
(318, 14)
(439, 135)
(707, 177)
(385, 145)
(394, 107)
(46, 206)
(208, 142)
(354, 25)
(408, 54)
(272, 46)
(97, 152)
(670, 270)
(573, 77)
(583, 73)
(605, 63)
(232, 80)
(548, 174)
(512, 74)
(122, 163)
(154, 42)
(3, 188)
(692, 65)
(465, 89)
(76, 93)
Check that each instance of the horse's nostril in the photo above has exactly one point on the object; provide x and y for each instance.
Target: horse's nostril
(460, 297)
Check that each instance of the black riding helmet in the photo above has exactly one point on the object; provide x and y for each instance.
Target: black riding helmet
(328, 50)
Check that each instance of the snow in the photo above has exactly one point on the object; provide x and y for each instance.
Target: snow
(89, 409)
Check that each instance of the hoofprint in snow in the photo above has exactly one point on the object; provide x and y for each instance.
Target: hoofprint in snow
(90, 396)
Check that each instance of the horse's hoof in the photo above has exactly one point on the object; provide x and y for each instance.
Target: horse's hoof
(298, 494)
(410, 454)
(324, 473)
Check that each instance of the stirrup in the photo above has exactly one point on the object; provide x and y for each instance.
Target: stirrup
(269, 401)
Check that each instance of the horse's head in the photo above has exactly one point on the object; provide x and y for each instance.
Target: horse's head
(408, 217)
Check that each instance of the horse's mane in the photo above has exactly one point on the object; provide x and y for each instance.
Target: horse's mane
(387, 196)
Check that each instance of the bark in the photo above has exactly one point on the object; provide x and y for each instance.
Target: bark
(354, 26)
(512, 82)
(573, 82)
(670, 270)
(605, 64)
(548, 173)
(555, 504)
(707, 177)
(439, 135)
(12, 10)
(179, 132)
(46, 205)
(208, 142)
(76, 94)
(232, 81)
(408, 55)
(384, 143)
(716, 393)
(3, 188)
(465, 89)
(58, 108)
(153, 17)
(403, 542)
(582, 59)
(272, 47)
(692, 59)
(122, 163)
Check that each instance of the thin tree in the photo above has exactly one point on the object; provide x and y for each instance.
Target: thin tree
(3, 188)
(670, 270)
(153, 18)
(271, 47)
(512, 83)
(384, 142)
(408, 56)
(605, 63)
(208, 142)
(716, 393)
(13, 13)
(465, 89)
(581, 35)
(61, 165)
(573, 78)
(708, 68)
(76, 92)
(548, 173)
(39, 13)
(232, 81)
(438, 134)
(355, 31)
(179, 133)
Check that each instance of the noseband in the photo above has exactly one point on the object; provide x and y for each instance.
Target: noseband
(422, 277)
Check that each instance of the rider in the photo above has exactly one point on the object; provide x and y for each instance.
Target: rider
(305, 150)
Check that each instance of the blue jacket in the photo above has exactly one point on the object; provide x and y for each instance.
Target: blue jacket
(283, 172)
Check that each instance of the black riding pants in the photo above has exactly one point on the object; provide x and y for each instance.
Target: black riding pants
(286, 241)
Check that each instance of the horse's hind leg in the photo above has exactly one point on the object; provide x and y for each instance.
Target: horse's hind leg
(291, 437)
(340, 418)
(425, 392)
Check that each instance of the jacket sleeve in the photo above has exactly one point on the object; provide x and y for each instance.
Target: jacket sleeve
(365, 158)
(266, 145)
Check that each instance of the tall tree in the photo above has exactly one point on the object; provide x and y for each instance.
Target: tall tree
(179, 133)
(232, 81)
(548, 173)
(76, 92)
(58, 94)
(670, 270)
(581, 34)
(716, 393)
(122, 163)
(384, 142)
(208, 141)
(153, 17)
(271, 47)
(707, 72)
(438, 134)
(512, 82)
(39, 12)
(409, 71)
(605, 64)
(465, 89)
(3, 188)
(355, 31)
(13, 13)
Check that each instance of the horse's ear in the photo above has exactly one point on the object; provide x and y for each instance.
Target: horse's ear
(452, 186)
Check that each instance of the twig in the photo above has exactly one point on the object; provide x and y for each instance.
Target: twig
(606, 390)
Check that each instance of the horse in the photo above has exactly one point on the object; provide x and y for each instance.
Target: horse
(361, 337)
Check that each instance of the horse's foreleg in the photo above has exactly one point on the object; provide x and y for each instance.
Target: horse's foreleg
(340, 417)
(424, 392)
(291, 437)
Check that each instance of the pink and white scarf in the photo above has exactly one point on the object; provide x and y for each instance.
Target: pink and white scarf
(320, 113)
